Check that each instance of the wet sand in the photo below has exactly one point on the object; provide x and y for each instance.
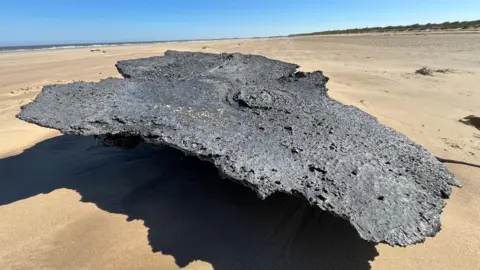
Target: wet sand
(66, 203)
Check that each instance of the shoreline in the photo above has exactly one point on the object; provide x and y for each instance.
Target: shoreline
(99, 45)
(70, 46)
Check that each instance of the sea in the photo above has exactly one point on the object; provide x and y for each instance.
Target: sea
(77, 45)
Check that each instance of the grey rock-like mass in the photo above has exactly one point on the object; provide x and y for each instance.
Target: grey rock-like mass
(267, 126)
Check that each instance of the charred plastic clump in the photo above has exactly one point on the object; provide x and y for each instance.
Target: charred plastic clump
(267, 126)
(471, 120)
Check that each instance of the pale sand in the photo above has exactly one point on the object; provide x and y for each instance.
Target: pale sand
(45, 225)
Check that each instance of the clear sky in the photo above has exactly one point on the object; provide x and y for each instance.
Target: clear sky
(28, 22)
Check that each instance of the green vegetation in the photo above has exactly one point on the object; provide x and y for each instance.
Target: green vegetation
(404, 28)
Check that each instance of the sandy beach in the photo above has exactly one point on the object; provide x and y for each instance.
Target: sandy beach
(67, 203)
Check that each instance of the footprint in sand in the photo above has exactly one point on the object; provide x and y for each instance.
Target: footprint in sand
(452, 143)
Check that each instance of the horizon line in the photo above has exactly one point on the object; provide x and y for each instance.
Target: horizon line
(332, 31)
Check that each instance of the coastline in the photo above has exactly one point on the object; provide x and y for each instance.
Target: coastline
(100, 45)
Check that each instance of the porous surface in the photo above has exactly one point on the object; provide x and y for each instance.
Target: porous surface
(266, 126)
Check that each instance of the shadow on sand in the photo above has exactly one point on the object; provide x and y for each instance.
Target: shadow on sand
(191, 213)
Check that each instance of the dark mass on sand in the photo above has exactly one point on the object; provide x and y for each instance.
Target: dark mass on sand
(264, 125)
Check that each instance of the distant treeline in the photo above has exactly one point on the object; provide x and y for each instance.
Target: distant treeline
(403, 28)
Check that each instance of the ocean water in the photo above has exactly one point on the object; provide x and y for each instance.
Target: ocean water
(70, 46)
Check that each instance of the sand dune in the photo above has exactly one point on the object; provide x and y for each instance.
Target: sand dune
(66, 203)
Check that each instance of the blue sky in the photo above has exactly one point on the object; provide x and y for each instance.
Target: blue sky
(27, 22)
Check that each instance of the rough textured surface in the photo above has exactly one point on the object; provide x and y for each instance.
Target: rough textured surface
(266, 126)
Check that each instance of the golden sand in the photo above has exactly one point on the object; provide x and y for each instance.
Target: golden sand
(51, 227)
